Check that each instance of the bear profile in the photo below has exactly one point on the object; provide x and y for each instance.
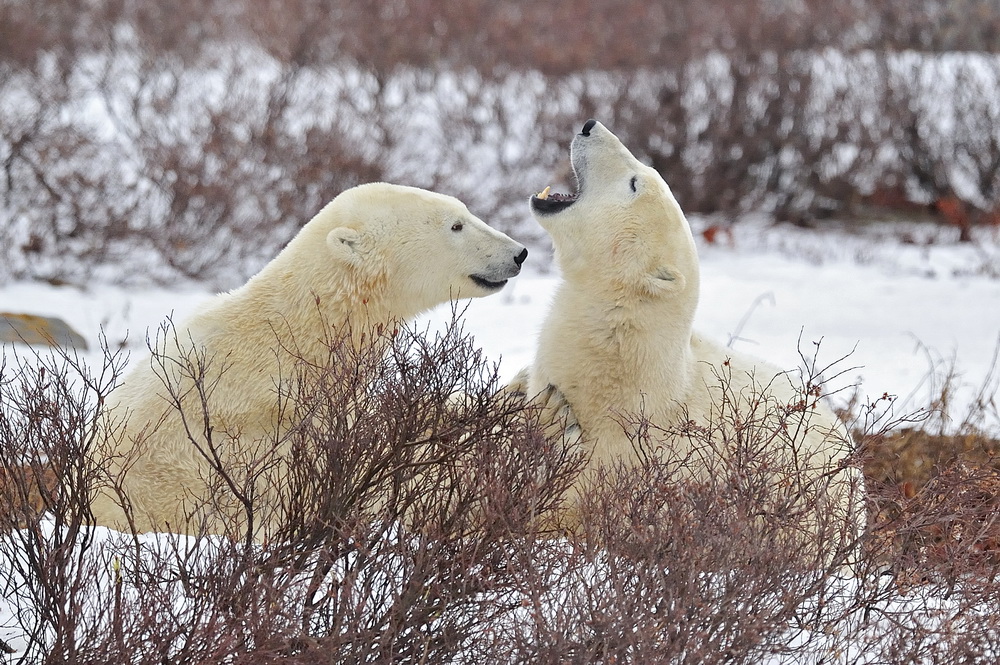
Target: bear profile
(375, 256)
(618, 341)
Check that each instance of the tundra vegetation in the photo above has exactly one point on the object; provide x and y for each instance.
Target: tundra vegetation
(417, 526)
(151, 143)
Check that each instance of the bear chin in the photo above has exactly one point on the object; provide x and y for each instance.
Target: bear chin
(487, 284)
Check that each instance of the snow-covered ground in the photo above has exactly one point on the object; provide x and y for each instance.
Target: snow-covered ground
(901, 310)
(904, 312)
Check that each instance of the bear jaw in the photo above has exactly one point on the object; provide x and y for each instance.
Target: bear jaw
(596, 155)
(543, 203)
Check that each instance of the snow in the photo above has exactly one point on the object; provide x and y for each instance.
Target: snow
(902, 306)
(902, 314)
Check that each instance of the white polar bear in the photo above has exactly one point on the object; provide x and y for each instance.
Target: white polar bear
(618, 338)
(376, 255)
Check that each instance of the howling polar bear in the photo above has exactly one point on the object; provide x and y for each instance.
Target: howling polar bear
(376, 255)
(618, 340)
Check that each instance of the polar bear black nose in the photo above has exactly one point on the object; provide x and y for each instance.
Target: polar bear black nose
(587, 126)
(519, 259)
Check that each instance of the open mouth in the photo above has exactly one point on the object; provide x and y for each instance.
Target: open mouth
(487, 283)
(546, 203)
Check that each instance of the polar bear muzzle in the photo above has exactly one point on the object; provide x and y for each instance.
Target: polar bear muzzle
(545, 203)
(498, 278)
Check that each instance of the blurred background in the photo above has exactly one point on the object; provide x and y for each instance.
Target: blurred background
(149, 142)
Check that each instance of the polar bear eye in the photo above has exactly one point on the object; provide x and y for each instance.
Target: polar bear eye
(457, 226)
(631, 183)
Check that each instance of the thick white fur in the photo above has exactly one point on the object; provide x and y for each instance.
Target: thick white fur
(375, 255)
(618, 340)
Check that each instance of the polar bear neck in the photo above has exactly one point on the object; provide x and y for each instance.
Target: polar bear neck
(320, 306)
(619, 352)
(633, 325)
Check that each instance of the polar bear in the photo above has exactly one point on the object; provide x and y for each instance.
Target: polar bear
(618, 342)
(376, 255)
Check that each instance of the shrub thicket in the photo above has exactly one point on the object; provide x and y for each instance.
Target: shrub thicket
(145, 142)
(417, 527)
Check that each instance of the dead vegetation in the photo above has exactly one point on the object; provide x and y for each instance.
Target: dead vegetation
(416, 526)
(147, 144)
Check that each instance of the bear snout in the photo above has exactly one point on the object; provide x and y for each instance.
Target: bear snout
(587, 126)
(519, 259)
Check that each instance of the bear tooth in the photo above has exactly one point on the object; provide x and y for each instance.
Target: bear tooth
(544, 194)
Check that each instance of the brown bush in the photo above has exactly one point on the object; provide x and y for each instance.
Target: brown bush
(398, 506)
(414, 528)
(936, 495)
(143, 143)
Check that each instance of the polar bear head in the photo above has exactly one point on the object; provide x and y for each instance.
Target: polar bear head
(416, 248)
(622, 231)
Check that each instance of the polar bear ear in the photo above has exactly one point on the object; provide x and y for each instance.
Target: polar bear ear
(345, 243)
(665, 279)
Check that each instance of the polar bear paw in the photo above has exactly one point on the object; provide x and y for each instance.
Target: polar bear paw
(557, 415)
(518, 386)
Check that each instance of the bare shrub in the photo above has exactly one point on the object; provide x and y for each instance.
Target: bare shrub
(932, 544)
(187, 150)
(426, 426)
(935, 488)
(143, 143)
(943, 134)
(408, 473)
(50, 409)
(667, 568)
(415, 524)
(727, 553)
